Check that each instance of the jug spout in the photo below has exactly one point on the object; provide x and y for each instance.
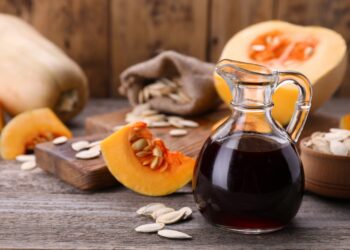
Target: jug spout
(251, 85)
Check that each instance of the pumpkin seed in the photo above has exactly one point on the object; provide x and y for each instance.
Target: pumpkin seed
(140, 97)
(157, 152)
(94, 143)
(159, 124)
(189, 123)
(149, 228)
(175, 97)
(24, 158)
(138, 109)
(87, 154)
(173, 234)
(188, 212)
(143, 153)
(335, 136)
(338, 148)
(149, 209)
(258, 47)
(149, 112)
(139, 144)
(95, 148)
(178, 132)
(176, 124)
(155, 162)
(28, 165)
(347, 143)
(161, 211)
(80, 145)
(172, 217)
(146, 162)
(60, 140)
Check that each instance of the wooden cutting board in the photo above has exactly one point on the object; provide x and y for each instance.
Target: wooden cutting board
(93, 174)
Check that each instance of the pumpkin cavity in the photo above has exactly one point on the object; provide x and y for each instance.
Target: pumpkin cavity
(150, 152)
(277, 46)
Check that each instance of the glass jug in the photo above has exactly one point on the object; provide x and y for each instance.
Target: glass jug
(248, 175)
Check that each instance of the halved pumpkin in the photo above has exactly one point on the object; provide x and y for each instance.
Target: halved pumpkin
(29, 128)
(143, 163)
(317, 52)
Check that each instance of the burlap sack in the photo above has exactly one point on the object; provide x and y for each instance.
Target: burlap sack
(195, 78)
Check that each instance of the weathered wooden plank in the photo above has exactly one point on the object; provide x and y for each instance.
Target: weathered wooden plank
(228, 17)
(79, 27)
(331, 14)
(141, 28)
(106, 220)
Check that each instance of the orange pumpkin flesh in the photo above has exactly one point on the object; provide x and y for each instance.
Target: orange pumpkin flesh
(345, 122)
(173, 171)
(29, 128)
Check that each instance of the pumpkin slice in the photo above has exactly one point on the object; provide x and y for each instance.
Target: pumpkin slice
(143, 163)
(317, 52)
(27, 129)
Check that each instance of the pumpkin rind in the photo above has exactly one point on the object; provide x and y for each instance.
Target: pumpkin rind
(26, 126)
(127, 169)
(325, 68)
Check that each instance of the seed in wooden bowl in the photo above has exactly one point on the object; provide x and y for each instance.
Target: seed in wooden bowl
(80, 145)
(87, 154)
(60, 140)
(159, 124)
(24, 158)
(149, 228)
(178, 132)
(173, 234)
(28, 165)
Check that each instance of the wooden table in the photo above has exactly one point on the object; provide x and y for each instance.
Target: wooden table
(39, 211)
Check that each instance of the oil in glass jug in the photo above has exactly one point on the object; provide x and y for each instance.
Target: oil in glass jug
(248, 176)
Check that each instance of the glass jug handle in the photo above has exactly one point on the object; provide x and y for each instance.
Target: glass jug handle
(303, 103)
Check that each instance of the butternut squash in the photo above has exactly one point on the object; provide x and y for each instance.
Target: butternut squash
(34, 73)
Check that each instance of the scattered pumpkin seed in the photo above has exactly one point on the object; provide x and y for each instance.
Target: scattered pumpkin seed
(161, 211)
(149, 228)
(172, 217)
(80, 145)
(189, 123)
(178, 132)
(94, 143)
(28, 165)
(149, 209)
(87, 154)
(188, 212)
(173, 234)
(24, 158)
(60, 140)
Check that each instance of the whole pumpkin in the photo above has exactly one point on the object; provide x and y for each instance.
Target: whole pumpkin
(35, 73)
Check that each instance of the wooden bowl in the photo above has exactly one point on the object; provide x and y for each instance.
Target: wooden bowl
(326, 174)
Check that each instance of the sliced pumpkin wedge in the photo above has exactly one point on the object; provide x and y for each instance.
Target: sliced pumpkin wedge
(143, 164)
(29, 128)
